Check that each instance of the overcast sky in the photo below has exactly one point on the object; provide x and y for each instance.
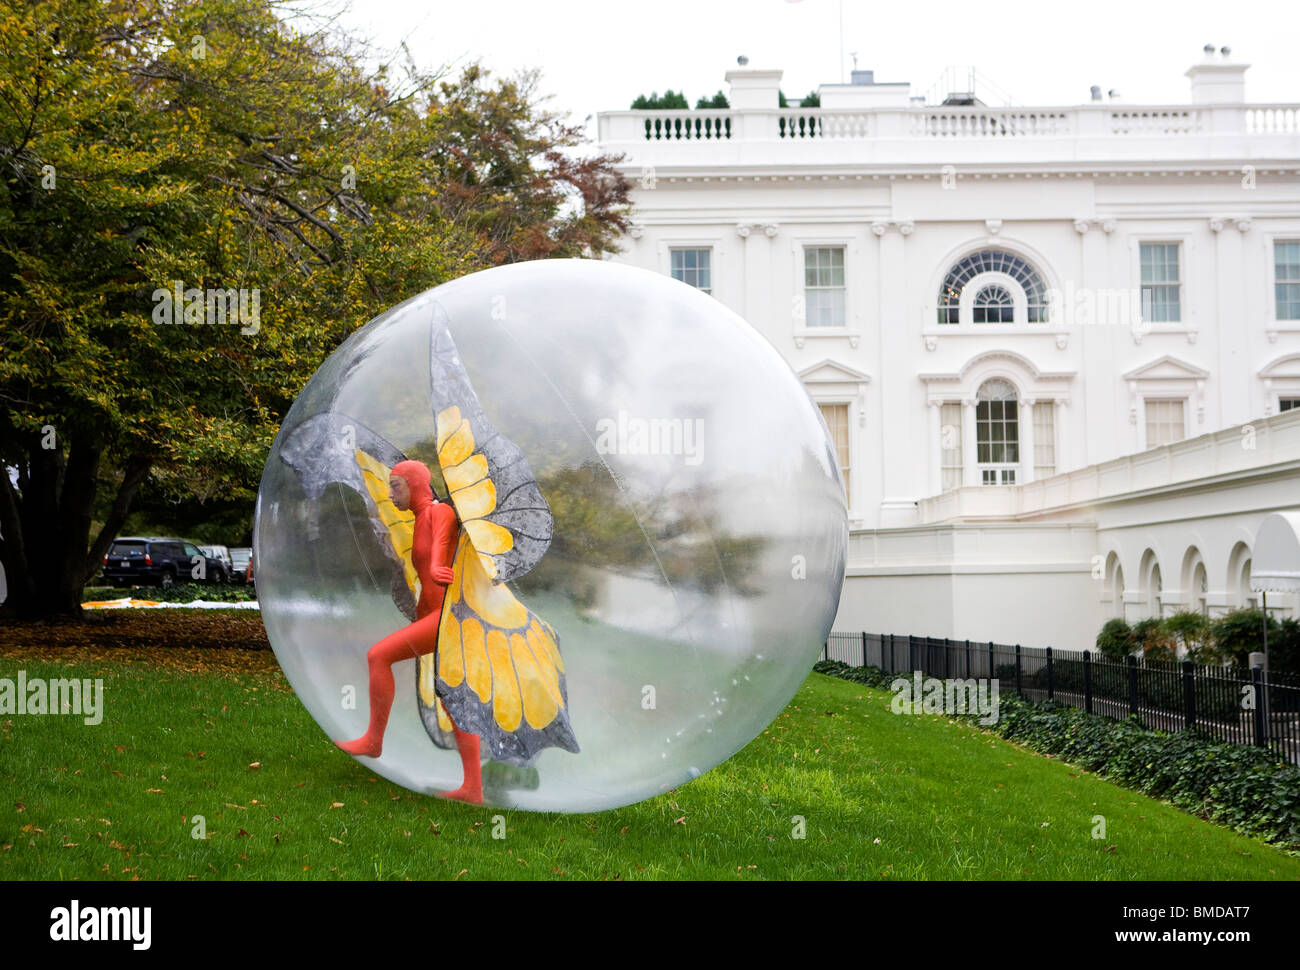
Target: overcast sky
(597, 55)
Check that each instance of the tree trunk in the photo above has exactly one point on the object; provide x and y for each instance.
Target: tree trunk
(46, 524)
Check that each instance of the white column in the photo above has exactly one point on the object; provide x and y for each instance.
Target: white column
(936, 448)
(1025, 427)
(968, 447)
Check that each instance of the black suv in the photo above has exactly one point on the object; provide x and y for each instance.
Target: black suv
(137, 561)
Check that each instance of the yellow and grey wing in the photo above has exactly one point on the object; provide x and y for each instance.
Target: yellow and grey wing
(333, 447)
(488, 478)
(499, 670)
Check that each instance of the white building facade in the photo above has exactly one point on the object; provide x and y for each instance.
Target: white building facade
(1058, 348)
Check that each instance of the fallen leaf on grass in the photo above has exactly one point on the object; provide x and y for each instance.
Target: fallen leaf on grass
(338, 841)
(680, 821)
(255, 765)
(155, 791)
(337, 805)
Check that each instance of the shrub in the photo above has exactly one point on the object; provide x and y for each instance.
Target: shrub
(1116, 639)
(1238, 633)
(1156, 644)
(1190, 633)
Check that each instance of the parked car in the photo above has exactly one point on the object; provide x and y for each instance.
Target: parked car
(240, 559)
(222, 555)
(158, 561)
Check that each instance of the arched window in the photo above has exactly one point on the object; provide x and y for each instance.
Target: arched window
(1200, 592)
(997, 433)
(967, 269)
(1239, 577)
(1114, 589)
(1150, 584)
(993, 305)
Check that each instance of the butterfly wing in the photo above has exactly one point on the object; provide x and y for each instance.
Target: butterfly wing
(488, 478)
(498, 667)
(332, 447)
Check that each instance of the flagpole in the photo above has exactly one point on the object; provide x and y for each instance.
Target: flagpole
(841, 41)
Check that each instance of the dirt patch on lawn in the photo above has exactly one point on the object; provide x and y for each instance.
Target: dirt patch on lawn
(188, 639)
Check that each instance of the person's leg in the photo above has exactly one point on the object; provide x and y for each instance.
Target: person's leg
(471, 789)
(419, 638)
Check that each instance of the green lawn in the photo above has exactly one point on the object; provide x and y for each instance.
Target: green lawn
(881, 795)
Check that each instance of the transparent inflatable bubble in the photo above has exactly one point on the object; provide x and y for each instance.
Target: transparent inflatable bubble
(695, 511)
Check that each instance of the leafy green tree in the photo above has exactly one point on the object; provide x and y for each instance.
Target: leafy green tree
(670, 100)
(812, 99)
(719, 100)
(203, 145)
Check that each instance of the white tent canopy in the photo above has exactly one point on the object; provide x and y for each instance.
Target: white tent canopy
(1275, 563)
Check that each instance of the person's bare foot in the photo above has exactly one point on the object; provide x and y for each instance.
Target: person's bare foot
(362, 747)
(471, 796)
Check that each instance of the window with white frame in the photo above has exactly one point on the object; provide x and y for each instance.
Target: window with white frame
(1161, 283)
(1044, 439)
(837, 422)
(1288, 403)
(965, 272)
(1165, 422)
(823, 286)
(993, 305)
(1286, 279)
(693, 266)
(997, 433)
(950, 457)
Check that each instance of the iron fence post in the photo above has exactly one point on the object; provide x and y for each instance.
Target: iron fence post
(1261, 722)
(1189, 694)
(1051, 693)
(1019, 691)
(864, 648)
(1087, 681)
(1132, 685)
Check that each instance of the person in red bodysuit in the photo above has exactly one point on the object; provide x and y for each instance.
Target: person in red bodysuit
(432, 547)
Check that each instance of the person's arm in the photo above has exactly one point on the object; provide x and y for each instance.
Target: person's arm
(444, 544)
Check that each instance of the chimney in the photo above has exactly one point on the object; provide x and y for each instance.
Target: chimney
(754, 89)
(1218, 81)
(862, 77)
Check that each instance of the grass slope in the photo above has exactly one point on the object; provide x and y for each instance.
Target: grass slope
(218, 733)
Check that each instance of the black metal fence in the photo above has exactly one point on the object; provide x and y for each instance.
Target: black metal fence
(1234, 704)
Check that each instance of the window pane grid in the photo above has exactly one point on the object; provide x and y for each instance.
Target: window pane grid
(692, 266)
(1286, 279)
(837, 422)
(992, 261)
(824, 286)
(1164, 423)
(1161, 284)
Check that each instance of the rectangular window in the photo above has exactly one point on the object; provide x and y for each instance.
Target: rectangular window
(692, 266)
(950, 444)
(1286, 279)
(1161, 283)
(1288, 403)
(837, 421)
(1165, 423)
(997, 433)
(1044, 440)
(823, 286)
